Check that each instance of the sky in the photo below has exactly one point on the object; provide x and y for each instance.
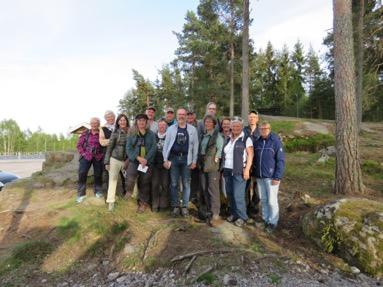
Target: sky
(64, 61)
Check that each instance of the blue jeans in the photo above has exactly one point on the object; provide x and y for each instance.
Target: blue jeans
(235, 189)
(269, 200)
(179, 168)
(83, 174)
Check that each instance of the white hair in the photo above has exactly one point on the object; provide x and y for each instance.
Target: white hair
(109, 113)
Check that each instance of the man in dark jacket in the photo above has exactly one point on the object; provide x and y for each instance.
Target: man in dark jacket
(269, 166)
(252, 198)
(141, 149)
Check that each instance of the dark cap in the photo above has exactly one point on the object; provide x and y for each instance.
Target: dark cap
(151, 108)
(142, 116)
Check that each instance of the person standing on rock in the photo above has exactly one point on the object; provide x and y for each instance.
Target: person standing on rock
(180, 156)
(115, 157)
(141, 149)
(252, 198)
(91, 153)
(105, 133)
(209, 156)
(237, 160)
(160, 179)
(268, 168)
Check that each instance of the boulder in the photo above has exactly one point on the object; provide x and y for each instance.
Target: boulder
(351, 228)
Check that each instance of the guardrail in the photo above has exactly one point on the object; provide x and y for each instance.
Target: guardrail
(21, 156)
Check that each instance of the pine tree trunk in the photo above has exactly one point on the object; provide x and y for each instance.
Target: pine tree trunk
(231, 80)
(347, 172)
(245, 60)
(359, 62)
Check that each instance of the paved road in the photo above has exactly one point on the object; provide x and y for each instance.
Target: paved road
(22, 168)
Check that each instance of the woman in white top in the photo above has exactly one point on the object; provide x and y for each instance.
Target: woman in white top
(237, 159)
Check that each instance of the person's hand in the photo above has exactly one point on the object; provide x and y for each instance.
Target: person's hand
(193, 166)
(126, 164)
(107, 167)
(275, 182)
(246, 174)
(142, 160)
(167, 164)
(216, 160)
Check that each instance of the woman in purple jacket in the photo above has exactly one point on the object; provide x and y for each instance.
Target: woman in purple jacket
(91, 153)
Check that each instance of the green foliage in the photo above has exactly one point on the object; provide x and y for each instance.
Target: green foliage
(311, 144)
(13, 140)
(275, 279)
(207, 278)
(330, 239)
(373, 167)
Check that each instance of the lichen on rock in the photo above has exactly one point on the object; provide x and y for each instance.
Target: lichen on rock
(351, 228)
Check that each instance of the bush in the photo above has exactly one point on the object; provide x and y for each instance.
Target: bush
(310, 144)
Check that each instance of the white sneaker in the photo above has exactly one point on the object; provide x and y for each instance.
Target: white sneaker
(99, 195)
(80, 199)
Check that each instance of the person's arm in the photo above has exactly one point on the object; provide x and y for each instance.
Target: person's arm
(130, 150)
(249, 160)
(103, 141)
(153, 147)
(80, 143)
(195, 148)
(279, 163)
(165, 150)
(110, 148)
(219, 146)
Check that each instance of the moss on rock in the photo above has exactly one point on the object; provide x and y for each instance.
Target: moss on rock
(352, 229)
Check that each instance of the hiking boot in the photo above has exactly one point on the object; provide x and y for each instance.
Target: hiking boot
(111, 206)
(141, 208)
(184, 211)
(215, 217)
(230, 219)
(239, 222)
(176, 211)
(271, 228)
(99, 195)
(80, 199)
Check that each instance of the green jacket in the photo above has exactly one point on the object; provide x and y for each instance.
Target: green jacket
(213, 150)
(116, 147)
(133, 149)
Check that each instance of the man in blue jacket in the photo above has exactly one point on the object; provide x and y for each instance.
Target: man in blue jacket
(269, 164)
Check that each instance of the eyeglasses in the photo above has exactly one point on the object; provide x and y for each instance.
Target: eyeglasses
(264, 128)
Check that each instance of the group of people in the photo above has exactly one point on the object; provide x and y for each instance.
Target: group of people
(221, 166)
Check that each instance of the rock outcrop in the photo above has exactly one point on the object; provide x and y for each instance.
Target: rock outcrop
(351, 228)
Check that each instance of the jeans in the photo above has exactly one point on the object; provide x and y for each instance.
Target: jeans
(179, 168)
(269, 200)
(235, 189)
(83, 175)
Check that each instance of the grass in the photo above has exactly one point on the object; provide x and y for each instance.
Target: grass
(284, 127)
(32, 252)
(304, 173)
